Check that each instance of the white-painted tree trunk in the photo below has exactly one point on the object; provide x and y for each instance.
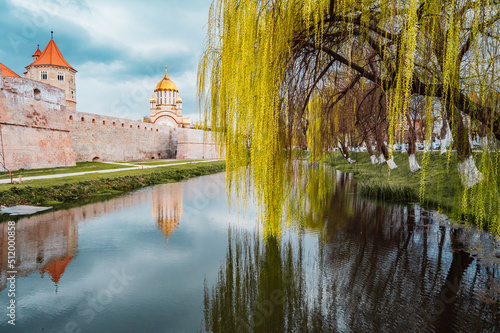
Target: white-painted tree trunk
(427, 146)
(374, 159)
(350, 161)
(446, 140)
(391, 163)
(414, 167)
(468, 172)
(381, 158)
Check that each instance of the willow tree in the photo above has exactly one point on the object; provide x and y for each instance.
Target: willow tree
(261, 55)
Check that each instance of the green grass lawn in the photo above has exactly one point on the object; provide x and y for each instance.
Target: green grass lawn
(59, 190)
(436, 185)
(93, 176)
(159, 162)
(80, 167)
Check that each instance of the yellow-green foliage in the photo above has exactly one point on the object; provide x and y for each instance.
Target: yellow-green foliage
(251, 56)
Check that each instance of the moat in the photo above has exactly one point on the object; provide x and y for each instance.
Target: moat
(173, 258)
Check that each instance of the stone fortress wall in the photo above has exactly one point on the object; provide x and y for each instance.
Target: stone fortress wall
(37, 131)
(196, 144)
(102, 138)
(34, 131)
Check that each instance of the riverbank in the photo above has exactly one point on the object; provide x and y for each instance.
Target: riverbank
(56, 191)
(436, 186)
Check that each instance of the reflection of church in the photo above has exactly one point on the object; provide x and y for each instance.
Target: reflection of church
(166, 105)
(167, 207)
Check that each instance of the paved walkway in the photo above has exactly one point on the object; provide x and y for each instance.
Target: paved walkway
(61, 175)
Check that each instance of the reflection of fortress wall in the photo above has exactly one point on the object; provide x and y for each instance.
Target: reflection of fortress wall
(167, 206)
(191, 145)
(49, 241)
(39, 241)
(34, 129)
(96, 137)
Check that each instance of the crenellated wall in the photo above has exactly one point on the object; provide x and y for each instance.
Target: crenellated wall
(102, 138)
(33, 127)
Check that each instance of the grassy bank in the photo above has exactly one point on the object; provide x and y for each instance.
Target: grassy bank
(436, 186)
(60, 190)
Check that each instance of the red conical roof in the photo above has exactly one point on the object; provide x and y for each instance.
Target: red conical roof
(52, 56)
(7, 71)
(56, 268)
(37, 52)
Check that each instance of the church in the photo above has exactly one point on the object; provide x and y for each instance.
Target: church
(166, 105)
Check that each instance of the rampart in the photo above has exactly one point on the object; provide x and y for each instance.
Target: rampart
(34, 132)
(196, 144)
(37, 131)
(102, 138)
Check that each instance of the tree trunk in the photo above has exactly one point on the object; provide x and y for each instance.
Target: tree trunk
(446, 137)
(345, 152)
(412, 147)
(370, 151)
(384, 155)
(467, 170)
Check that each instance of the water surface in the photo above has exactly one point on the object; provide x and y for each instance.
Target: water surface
(172, 258)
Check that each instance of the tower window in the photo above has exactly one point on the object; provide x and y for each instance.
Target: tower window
(43, 75)
(60, 76)
(72, 94)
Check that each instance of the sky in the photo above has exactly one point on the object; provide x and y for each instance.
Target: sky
(118, 47)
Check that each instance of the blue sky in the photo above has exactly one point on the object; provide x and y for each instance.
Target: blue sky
(119, 48)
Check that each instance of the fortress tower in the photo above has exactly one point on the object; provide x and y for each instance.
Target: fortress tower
(50, 67)
(166, 105)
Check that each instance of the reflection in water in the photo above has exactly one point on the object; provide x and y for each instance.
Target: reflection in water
(46, 243)
(167, 206)
(49, 242)
(379, 269)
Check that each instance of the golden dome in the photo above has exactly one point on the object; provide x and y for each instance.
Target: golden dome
(166, 84)
(153, 99)
(179, 100)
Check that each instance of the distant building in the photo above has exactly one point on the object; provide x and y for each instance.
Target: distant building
(166, 105)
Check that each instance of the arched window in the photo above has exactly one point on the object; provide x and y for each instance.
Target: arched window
(70, 117)
(104, 122)
(93, 121)
(83, 119)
